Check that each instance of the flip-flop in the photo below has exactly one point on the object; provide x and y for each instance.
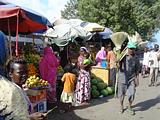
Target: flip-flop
(131, 111)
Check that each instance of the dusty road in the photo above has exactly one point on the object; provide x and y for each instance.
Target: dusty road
(146, 106)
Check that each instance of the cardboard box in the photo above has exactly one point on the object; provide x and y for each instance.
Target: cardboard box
(40, 106)
(101, 73)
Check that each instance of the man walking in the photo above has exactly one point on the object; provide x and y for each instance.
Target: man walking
(154, 64)
(128, 77)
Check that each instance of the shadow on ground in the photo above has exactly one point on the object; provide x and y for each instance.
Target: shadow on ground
(64, 112)
(145, 105)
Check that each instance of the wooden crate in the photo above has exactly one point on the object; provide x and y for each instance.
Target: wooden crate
(101, 73)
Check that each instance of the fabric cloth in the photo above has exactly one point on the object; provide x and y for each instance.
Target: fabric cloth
(69, 80)
(112, 76)
(83, 86)
(84, 49)
(129, 67)
(126, 89)
(48, 70)
(12, 103)
(111, 57)
(101, 55)
(67, 97)
(146, 59)
(24, 95)
(153, 57)
(80, 60)
(153, 75)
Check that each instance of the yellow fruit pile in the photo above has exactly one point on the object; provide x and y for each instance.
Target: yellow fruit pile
(36, 82)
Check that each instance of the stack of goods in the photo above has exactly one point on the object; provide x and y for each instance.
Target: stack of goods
(34, 82)
(32, 70)
(99, 88)
(32, 58)
(36, 91)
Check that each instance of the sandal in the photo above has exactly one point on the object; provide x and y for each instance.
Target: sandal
(131, 111)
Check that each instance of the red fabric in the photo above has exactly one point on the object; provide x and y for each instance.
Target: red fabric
(16, 18)
(26, 25)
(9, 12)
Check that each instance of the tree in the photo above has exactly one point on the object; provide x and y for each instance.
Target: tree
(70, 10)
(122, 15)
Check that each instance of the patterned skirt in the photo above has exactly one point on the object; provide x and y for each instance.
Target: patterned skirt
(82, 92)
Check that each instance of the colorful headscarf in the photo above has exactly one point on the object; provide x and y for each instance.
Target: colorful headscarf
(101, 54)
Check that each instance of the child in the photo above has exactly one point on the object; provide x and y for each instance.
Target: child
(69, 80)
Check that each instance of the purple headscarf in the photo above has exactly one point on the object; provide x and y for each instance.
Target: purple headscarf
(101, 54)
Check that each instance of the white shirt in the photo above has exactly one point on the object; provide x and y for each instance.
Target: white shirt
(146, 58)
(154, 57)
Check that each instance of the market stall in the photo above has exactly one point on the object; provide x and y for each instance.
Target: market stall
(36, 92)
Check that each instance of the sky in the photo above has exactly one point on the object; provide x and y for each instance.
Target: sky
(48, 8)
(157, 36)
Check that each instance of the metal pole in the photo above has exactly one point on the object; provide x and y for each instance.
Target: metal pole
(10, 42)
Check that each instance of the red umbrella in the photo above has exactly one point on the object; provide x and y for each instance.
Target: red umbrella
(15, 19)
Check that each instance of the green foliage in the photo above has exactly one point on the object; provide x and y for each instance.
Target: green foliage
(70, 10)
(120, 15)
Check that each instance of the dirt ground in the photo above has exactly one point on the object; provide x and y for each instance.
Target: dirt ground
(146, 106)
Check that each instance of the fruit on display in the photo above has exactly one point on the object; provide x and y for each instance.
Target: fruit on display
(95, 93)
(101, 85)
(104, 92)
(60, 69)
(36, 82)
(94, 87)
(31, 69)
(110, 90)
(94, 81)
(99, 88)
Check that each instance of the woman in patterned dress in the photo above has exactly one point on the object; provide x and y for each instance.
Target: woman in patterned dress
(82, 92)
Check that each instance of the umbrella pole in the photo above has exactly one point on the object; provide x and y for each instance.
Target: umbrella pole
(10, 42)
(17, 36)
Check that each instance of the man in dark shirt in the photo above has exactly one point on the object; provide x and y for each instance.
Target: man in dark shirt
(128, 77)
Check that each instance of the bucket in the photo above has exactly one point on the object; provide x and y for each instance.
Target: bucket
(103, 63)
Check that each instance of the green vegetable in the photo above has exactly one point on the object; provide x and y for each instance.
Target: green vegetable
(94, 81)
(104, 92)
(94, 87)
(95, 93)
(101, 86)
(110, 90)
(100, 80)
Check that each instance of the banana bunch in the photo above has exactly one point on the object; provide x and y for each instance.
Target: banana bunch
(36, 82)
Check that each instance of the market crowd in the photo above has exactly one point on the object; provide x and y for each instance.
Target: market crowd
(14, 103)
